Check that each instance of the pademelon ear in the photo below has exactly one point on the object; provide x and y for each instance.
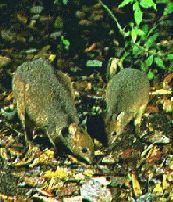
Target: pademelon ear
(74, 130)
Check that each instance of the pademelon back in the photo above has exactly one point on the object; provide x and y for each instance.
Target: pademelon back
(127, 95)
(45, 100)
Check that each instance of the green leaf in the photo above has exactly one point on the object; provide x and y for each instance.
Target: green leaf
(150, 75)
(151, 40)
(127, 43)
(131, 24)
(159, 62)
(139, 32)
(136, 50)
(136, 32)
(134, 35)
(170, 56)
(162, 1)
(143, 66)
(66, 43)
(145, 28)
(145, 32)
(138, 13)
(168, 9)
(125, 55)
(65, 2)
(125, 2)
(148, 4)
(149, 61)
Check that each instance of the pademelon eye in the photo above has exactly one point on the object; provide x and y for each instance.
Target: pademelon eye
(84, 150)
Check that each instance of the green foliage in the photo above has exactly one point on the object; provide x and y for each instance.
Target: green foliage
(143, 39)
(65, 42)
(149, 60)
(147, 4)
(137, 7)
(159, 62)
(168, 9)
(137, 13)
(135, 32)
(148, 49)
(151, 40)
(170, 56)
(125, 2)
(65, 2)
(150, 75)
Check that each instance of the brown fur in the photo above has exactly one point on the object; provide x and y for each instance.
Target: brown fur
(127, 95)
(46, 100)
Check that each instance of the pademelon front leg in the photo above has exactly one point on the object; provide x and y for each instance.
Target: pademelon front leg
(117, 125)
(138, 118)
